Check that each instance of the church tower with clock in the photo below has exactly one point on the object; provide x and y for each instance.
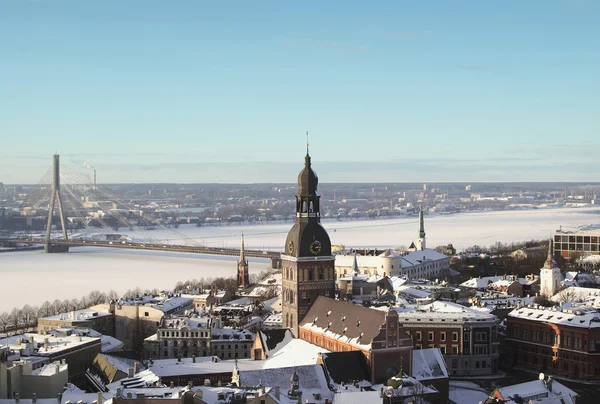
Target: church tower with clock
(308, 268)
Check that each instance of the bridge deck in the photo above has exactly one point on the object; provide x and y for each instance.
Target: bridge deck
(151, 247)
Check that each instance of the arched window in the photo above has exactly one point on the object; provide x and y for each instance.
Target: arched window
(310, 274)
(304, 207)
(321, 273)
(287, 319)
(291, 320)
(311, 207)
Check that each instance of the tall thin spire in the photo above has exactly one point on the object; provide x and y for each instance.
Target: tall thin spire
(421, 223)
(549, 264)
(242, 253)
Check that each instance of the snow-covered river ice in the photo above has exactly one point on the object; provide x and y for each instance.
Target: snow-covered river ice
(32, 277)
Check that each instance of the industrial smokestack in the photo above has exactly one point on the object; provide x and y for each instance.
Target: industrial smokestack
(94, 179)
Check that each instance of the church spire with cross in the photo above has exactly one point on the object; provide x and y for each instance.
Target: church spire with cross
(421, 243)
(242, 268)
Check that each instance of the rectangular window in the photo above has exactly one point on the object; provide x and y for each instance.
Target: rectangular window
(443, 336)
(454, 350)
(419, 336)
(454, 336)
(443, 349)
(430, 335)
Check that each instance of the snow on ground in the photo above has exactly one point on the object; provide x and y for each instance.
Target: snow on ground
(31, 277)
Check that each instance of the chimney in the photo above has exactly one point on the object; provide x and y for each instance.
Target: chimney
(136, 368)
(130, 372)
(17, 398)
(100, 398)
(33, 398)
(194, 358)
(31, 339)
(276, 392)
(190, 384)
(172, 384)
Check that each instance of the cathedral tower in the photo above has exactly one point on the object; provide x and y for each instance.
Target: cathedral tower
(421, 245)
(308, 267)
(242, 268)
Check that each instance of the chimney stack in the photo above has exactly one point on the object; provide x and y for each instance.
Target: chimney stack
(33, 398)
(100, 398)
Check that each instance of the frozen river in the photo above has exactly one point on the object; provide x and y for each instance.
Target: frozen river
(33, 277)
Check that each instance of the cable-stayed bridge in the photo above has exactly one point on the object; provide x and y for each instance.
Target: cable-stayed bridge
(70, 192)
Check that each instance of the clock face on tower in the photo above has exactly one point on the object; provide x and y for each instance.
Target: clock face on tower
(290, 247)
(314, 247)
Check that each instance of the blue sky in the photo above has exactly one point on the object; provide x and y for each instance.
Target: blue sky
(198, 91)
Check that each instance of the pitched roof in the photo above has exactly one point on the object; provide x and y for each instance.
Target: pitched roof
(346, 367)
(271, 338)
(351, 323)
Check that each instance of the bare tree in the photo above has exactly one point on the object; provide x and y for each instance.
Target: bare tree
(4, 322)
(568, 295)
(15, 319)
(45, 309)
(57, 307)
(112, 295)
(268, 292)
(28, 315)
(95, 297)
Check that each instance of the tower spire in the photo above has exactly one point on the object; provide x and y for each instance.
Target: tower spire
(355, 269)
(242, 268)
(421, 223)
(421, 235)
(242, 252)
(549, 264)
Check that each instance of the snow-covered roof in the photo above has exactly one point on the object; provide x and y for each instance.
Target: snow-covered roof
(581, 317)
(480, 283)
(420, 256)
(444, 311)
(467, 392)
(192, 323)
(536, 389)
(50, 369)
(311, 378)
(78, 315)
(173, 304)
(428, 364)
(389, 254)
(120, 364)
(398, 281)
(56, 344)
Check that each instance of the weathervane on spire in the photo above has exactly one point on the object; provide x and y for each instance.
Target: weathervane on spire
(306, 142)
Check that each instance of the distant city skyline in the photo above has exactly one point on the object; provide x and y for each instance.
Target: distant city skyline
(410, 91)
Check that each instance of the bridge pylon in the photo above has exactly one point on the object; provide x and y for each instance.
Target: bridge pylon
(54, 198)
